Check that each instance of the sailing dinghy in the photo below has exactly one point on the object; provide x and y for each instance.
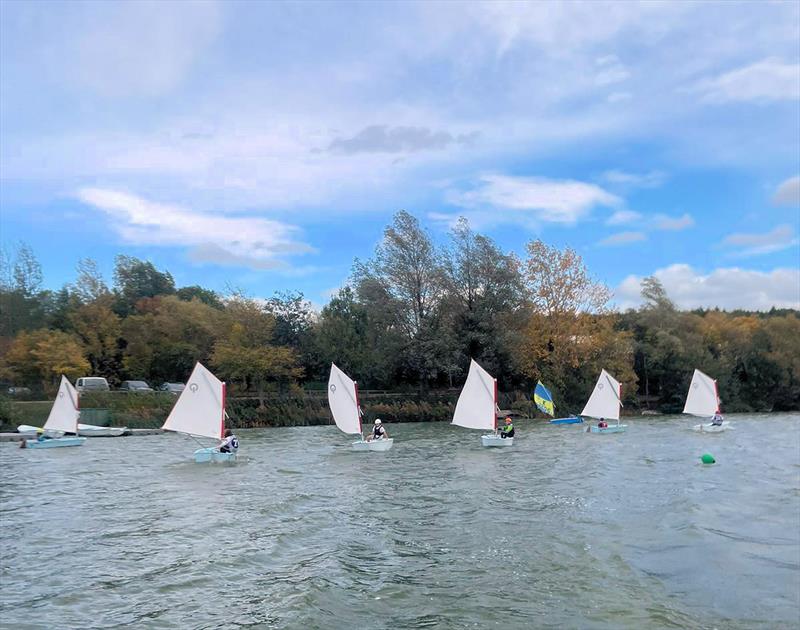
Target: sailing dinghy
(63, 418)
(544, 402)
(604, 403)
(477, 406)
(703, 401)
(343, 401)
(200, 412)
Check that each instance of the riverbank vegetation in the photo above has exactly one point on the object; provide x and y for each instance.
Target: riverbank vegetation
(405, 326)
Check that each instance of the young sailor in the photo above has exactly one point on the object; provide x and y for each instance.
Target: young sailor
(602, 424)
(507, 431)
(716, 421)
(230, 443)
(378, 432)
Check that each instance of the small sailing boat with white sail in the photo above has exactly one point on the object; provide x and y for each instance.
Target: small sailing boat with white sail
(703, 401)
(604, 404)
(63, 418)
(477, 406)
(200, 412)
(544, 402)
(343, 401)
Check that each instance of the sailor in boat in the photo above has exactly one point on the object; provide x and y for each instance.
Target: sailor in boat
(507, 431)
(230, 443)
(716, 421)
(602, 424)
(378, 432)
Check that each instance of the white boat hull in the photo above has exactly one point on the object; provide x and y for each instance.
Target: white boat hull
(490, 440)
(204, 455)
(90, 430)
(28, 431)
(373, 445)
(614, 428)
(712, 428)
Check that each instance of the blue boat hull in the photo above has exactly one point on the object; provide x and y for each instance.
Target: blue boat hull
(203, 455)
(55, 442)
(572, 420)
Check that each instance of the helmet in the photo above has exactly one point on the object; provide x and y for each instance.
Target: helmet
(378, 421)
(508, 418)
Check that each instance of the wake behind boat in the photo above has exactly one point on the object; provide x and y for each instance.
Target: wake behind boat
(703, 401)
(477, 406)
(604, 404)
(200, 411)
(343, 401)
(63, 418)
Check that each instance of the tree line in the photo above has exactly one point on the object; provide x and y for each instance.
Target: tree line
(409, 319)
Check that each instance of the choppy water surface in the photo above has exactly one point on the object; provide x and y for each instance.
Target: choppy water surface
(564, 529)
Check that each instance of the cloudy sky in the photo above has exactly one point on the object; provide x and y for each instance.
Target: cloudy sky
(265, 145)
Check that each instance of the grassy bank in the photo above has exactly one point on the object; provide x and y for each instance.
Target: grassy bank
(295, 409)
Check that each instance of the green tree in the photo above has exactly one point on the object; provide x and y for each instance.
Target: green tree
(42, 356)
(135, 279)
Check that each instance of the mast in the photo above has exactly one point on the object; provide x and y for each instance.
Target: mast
(620, 402)
(496, 407)
(716, 395)
(222, 421)
(358, 410)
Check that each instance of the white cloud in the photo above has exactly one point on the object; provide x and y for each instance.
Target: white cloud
(664, 222)
(788, 193)
(764, 81)
(211, 238)
(621, 217)
(550, 200)
(623, 238)
(609, 71)
(728, 288)
(652, 179)
(782, 237)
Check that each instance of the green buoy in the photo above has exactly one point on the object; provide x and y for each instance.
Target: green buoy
(708, 458)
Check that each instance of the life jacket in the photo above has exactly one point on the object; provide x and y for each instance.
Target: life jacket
(508, 428)
(378, 431)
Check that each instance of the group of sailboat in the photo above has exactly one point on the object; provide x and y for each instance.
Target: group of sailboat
(200, 411)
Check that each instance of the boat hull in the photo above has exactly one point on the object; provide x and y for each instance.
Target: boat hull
(55, 442)
(614, 428)
(374, 445)
(711, 428)
(205, 455)
(90, 430)
(571, 420)
(491, 440)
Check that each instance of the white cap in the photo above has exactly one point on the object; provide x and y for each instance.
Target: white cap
(378, 421)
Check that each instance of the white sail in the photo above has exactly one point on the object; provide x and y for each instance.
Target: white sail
(702, 399)
(64, 413)
(343, 401)
(200, 409)
(606, 399)
(477, 404)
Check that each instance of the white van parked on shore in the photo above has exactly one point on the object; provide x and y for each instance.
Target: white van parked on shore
(92, 384)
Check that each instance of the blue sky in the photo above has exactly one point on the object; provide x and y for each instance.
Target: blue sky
(266, 145)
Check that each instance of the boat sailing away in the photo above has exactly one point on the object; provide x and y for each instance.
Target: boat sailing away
(544, 401)
(63, 418)
(200, 412)
(343, 401)
(703, 401)
(477, 406)
(604, 403)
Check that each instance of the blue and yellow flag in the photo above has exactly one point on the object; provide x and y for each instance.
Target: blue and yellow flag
(543, 399)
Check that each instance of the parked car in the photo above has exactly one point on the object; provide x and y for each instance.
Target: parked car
(92, 384)
(18, 391)
(135, 386)
(172, 388)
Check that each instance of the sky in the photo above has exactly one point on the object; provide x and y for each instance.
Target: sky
(266, 145)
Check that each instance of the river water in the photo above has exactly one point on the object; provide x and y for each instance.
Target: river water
(563, 530)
